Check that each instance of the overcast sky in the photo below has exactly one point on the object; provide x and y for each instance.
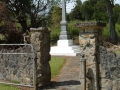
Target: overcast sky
(71, 5)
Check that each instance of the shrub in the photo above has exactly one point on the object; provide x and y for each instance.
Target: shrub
(118, 31)
(55, 31)
(74, 32)
(8, 27)
(106, 32)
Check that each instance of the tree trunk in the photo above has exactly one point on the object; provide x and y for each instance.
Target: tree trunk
(24, 26)
(23, 22)
(113, 34)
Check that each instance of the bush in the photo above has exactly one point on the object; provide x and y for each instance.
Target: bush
(106, 32)
(74, 32)
(118, 31)
(55, 32)
(56, 29)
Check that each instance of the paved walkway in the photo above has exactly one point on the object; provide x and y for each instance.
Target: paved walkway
(69, 76)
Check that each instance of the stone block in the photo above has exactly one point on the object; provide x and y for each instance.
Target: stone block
(38, 55)
(104, 72)
(91, 31)
(106, 83)
(92, 41)
(83, 42)
(87, 35)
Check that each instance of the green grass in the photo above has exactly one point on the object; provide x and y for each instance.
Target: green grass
(7, 87)
(117, 52)
(16, 82)
(56, 63)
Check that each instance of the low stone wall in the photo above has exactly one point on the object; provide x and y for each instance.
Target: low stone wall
(109, 67)
(20, 67)
(17, 67)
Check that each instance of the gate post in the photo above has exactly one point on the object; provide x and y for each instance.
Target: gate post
(90, 40)
(40, 39)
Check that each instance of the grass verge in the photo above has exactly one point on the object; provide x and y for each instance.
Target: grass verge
(117, 52)
(56, 63)
(7, 87)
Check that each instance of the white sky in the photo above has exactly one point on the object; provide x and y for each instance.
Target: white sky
(71, 5)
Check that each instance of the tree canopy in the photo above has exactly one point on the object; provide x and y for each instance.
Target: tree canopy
(34, 11)
(8, 28)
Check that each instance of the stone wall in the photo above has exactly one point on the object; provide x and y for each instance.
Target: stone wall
(89, 41)
(109, 67)
(16, 67)
(100, 68)
(40, 39)
(20, 67)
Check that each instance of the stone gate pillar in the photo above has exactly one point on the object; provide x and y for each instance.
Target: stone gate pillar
(40, 39)
(90, 40)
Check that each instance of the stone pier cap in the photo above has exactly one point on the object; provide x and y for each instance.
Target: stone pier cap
(40, 29)
(90, 25)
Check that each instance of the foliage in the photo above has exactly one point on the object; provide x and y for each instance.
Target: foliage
(55, 31)
(118, 31)
(56, 15)
(76, 14)
(100, 11)
(116, 13)
(109, 6)
(106, 32)
(88, 9)
(56, 63)
(37, 11)
(7, 27)
(72, 29)
(7, 87)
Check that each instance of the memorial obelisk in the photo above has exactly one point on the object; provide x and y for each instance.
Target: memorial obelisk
(65, 43)
(64, 35)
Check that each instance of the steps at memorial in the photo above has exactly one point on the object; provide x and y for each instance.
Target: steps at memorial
(65, 51)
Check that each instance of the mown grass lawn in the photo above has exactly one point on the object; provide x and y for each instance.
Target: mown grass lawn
(7, 87)
(56, 63)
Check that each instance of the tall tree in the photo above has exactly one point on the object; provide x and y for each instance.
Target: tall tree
(88, 9)
(116, 12)
(76, 14)
(56, 15)
(36, 11)
(110, 5)
(8, 28)
(100, 11)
